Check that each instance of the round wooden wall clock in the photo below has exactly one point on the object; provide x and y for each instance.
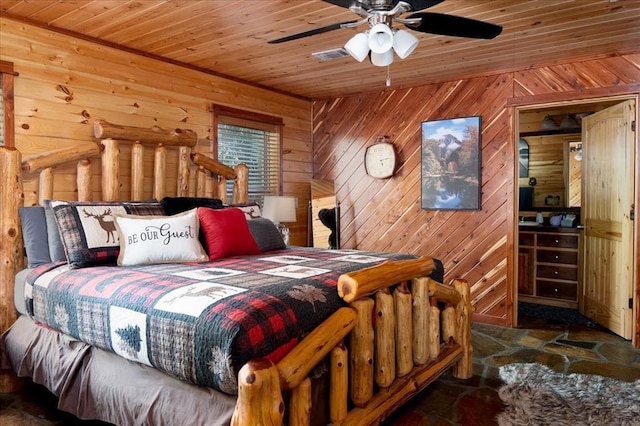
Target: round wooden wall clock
(380, 160)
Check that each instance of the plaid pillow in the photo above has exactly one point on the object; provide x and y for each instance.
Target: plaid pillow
(88, 232)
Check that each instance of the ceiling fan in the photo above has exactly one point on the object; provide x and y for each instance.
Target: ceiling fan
(381, 40)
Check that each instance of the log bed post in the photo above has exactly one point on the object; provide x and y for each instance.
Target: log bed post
(259, 395)
(137, 171)
(110, 170)
(11, 247)
(463, 311)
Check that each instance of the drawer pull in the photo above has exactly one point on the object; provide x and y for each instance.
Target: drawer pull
(557, 257)
(555, 272)
(557, 241)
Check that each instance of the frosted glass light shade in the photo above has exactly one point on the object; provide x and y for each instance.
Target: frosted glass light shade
(404, 43)
(382, 59)
(358, 46)
(380, 38)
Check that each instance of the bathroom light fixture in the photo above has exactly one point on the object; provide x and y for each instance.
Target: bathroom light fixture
(548, 123)
(578, 150)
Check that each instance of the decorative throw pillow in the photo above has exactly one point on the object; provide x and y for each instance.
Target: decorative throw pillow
(174, 205)
(226, 233)
(251, 210)
(56, 248)
(159, 239)
(34, 235)
(88, 232)
(266, 234)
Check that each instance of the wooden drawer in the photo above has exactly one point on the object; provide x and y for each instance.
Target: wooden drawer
(557, 290)
(558, 240)
(556, 256)
(526, 239)
(558, 272)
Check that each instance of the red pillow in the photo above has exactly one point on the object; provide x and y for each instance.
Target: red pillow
(226, 233)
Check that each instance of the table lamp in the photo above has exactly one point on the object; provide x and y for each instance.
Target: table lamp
(279, 209)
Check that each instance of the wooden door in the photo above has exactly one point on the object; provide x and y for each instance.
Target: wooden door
(322, 197)
(608, 192)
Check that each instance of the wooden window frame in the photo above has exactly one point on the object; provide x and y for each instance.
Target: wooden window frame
(221, 110)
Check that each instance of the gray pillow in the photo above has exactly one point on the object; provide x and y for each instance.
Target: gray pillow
(266, 234)
(34, 235)
(56, 249)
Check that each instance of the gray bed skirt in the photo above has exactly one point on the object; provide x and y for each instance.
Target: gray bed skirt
(94, 384)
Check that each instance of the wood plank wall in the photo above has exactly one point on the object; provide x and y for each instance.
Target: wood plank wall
(65, 83)
(386, 214)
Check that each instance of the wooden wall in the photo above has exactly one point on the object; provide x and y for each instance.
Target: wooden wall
(386, 214)
(65, 83)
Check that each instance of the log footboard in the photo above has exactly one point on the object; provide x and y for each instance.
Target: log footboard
(400, 332)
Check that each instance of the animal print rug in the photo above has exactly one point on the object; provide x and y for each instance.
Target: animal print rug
(536, 395)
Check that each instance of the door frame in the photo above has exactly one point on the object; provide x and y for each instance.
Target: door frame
(516, 105)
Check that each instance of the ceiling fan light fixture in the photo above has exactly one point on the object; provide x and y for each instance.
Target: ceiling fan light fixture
(404, 43)
(381, 59)
(380, 38)
(358, 46)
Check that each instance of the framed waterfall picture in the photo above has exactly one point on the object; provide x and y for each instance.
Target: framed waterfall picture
(450, 175)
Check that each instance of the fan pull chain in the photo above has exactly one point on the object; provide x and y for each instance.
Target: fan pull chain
(388, 76)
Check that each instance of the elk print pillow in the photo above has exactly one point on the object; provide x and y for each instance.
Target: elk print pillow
(88, 231)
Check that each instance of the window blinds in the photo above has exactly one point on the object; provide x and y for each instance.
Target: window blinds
(255, 144)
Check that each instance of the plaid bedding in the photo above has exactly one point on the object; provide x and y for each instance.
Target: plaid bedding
(199, 322)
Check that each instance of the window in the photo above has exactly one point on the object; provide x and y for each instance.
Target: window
(6, 104)
(253, 139)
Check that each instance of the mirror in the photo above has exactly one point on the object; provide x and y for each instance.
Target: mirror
(554, 168)
(523, 158)
(574, 174)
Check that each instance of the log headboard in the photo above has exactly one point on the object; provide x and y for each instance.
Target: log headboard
(160, 163)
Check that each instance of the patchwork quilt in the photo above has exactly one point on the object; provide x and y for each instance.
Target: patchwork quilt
(199, 322)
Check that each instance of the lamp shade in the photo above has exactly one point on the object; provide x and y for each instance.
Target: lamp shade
(358, 46)
(380, 38)
(404, 43)
(382, 59)
(279, 208)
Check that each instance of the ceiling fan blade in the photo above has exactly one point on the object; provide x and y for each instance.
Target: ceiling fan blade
(366, 4)
(419, 4)
(314, 31)
(449, 25)
(347, 3)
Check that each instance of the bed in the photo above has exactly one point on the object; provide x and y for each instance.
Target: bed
(311, 335)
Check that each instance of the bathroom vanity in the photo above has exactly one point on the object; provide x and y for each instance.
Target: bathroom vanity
(549, 265)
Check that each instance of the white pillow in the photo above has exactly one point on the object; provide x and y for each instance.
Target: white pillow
(159, 239)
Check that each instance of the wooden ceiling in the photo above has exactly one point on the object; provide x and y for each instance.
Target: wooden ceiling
(230, 38)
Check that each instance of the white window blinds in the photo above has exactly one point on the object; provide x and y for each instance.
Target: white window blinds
(256, 144)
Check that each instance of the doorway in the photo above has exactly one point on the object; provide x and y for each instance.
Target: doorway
(550, 259)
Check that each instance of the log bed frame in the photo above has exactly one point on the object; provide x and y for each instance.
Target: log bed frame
(399, 332)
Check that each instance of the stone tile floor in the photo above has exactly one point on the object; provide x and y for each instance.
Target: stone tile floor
(564, 345)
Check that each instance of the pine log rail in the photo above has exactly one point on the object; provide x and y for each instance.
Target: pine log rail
(382, 349)
(155, 135)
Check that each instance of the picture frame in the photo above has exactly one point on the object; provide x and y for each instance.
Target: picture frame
(451, 164)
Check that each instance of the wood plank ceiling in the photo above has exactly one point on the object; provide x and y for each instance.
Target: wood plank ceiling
(230, 38)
